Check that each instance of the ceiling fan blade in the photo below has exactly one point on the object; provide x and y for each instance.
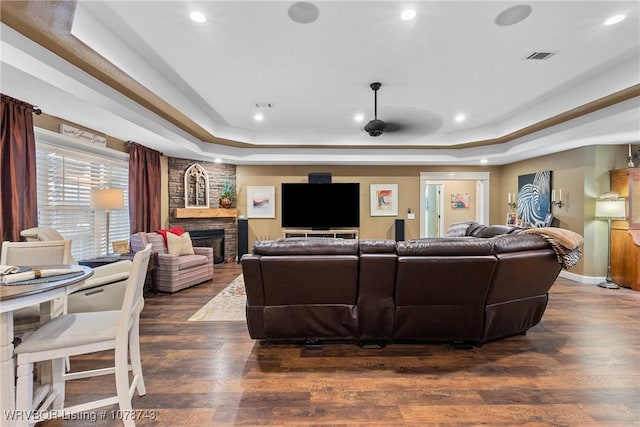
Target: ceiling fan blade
(395, 127)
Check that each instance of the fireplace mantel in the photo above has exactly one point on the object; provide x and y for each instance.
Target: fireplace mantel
(205, 213)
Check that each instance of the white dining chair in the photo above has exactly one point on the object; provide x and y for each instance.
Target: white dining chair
(103, 291)
(55, 252)
(82, 333)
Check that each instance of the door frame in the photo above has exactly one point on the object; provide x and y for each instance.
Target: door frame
(482, 180)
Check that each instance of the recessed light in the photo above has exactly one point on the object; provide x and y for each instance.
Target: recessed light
(408, 14)
(614, 19)
(198, 17)
(459, 118)
(258, 117)
(358, 117)
(217, 160)
(484, 161)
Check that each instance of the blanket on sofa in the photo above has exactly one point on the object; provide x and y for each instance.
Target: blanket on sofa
(565, 243)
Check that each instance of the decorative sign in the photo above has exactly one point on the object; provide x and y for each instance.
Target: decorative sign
(83, 135)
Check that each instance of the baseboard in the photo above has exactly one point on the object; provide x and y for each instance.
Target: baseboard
(587, 280)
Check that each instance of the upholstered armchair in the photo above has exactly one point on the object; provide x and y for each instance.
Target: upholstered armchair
(176, 272)
(103, 291)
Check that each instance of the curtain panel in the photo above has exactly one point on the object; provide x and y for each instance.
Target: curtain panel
(18, 190)
(144, 188)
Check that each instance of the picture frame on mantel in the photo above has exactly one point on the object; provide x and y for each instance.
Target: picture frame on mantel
(384, 199)
(261, 201)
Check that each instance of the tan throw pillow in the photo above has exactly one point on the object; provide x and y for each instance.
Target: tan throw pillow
(179, 245)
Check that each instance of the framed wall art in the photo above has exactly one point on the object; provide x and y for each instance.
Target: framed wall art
(384, 199)
(460, 200)
(261, 202)
(534, 198)
(121, 247)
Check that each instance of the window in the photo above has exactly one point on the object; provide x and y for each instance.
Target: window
(67, 172)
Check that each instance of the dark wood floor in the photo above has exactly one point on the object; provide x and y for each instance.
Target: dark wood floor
(579, 367)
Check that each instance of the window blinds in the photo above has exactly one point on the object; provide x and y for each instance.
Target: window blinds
(65, 180)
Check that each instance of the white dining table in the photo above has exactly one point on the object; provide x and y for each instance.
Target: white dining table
(12, 298)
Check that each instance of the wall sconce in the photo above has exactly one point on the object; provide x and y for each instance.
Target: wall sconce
(512, 200)
(556, 198)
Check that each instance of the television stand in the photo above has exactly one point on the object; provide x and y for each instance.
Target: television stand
(342, 233)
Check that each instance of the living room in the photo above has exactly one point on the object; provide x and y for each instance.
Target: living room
(578, 126)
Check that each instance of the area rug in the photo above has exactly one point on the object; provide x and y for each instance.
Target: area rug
(228, 305)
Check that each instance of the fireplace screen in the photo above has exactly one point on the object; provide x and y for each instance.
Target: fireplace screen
(212, 239)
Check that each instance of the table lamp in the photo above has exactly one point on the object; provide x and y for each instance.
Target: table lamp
(610, 206)
(107, 199)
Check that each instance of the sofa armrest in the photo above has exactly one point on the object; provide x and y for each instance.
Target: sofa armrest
(208, 252)
(123, 266)
(109, 273)
(104, 280)
(253, 279)
(168, 262)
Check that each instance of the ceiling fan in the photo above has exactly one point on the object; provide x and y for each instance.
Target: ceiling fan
(377, 127)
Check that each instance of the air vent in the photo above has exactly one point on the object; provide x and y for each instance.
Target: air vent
(265, 105)
(540, 55)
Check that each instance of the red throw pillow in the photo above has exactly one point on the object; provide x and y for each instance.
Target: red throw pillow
(178, 231)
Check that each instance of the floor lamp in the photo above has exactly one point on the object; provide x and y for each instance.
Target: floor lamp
(610, 206)
(107, 199)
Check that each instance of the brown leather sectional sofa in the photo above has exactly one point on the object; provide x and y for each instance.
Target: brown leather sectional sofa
(490, 284)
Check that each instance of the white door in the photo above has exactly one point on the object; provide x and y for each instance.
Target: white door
(433, 210)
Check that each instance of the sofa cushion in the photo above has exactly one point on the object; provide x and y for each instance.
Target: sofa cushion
(178, 231)
(306, 246)
(459, 229)
(480, 230)
(179, 245)
(518, 243)
(377, 246)
(452, 246)
(186, 262)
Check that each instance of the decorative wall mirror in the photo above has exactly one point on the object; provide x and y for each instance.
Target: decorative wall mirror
(196, 187)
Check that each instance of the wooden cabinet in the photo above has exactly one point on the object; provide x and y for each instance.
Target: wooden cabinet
(625, 235)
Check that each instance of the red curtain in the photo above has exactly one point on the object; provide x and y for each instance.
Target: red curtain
(18, 191)
(144, 188)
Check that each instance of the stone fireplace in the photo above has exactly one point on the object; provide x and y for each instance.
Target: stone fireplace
(212, 227)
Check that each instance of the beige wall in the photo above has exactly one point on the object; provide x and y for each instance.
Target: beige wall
(582, 174)
(451, 214)
(407, 178)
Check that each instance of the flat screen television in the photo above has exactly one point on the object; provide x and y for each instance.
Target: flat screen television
(320, 206)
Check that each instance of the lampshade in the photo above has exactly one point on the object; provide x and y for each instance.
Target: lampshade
(611, 208)
(107, 198)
